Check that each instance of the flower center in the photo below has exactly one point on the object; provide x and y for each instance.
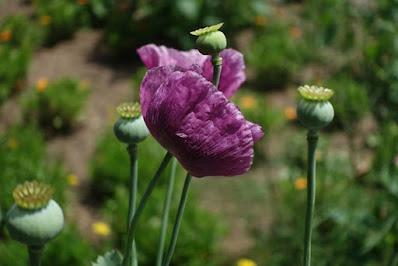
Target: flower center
(315, 93)
(129, 110)
(32, 195)
(206, 30)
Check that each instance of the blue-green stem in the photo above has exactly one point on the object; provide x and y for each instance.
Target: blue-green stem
(177, 224)
(312, 139)
(216, 60)
(35, 254)
(132, 150)
(166, 211)
(141, 206)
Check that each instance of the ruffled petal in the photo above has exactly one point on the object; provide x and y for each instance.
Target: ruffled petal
(154, 56)
(194, 121)
(232, 71)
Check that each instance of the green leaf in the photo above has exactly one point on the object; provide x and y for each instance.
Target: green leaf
(111, 258)
(375, 238)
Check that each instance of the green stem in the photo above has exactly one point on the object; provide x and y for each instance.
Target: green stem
(312, 139)
(166, 211)
(141, 206)
(177, 224)
(216, 60)
(35, 253)
(132, 150)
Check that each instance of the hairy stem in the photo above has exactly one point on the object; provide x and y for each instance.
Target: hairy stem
(132, 150)
(177, 224)
(35, 253)
(166, 211)
(312, 139)
(216, 60)
(141, 206)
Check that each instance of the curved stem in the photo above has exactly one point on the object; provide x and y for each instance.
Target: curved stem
(166, 211)
(177, 224)
(141, 206)
(35, 253)
(216, 60)
(312, 139)
(132, 150)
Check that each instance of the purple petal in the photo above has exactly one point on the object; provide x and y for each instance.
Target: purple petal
(232, 71)
(197, 123)
(154, 56)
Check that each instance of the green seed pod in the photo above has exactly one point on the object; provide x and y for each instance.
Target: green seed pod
(210, 40)
(35, 218)
(314, 110)
(130, 128)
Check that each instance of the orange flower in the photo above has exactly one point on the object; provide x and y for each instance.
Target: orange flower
(82, 2)
(260, 21)
(5, 36)
(290, 113)
(248, 102)
(296, 32)
(300, 183)
(45, 20)
(41, 85)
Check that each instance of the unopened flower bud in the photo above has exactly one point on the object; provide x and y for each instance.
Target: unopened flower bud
(210, 40)
(314, 110)
(35, 218)
(130, 128)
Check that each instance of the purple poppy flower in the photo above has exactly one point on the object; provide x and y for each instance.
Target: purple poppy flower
(232, 73)
(195, 122)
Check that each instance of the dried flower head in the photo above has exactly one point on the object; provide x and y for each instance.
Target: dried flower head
(206, 30)
(315, 93)
(32, 195)
(129, 110)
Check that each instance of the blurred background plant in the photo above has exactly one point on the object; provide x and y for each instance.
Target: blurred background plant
(18, 38)
(58, 130)
(55, 106)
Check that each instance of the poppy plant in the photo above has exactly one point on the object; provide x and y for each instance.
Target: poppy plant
(197, 123)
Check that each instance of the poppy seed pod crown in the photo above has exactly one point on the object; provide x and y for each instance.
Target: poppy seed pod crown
(35, 218)
(314, 110)
(130, 128)
(210, 40)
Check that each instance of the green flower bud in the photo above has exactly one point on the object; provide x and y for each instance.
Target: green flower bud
(314, 110)
(210, 40)
(35, 218)
(130, 128)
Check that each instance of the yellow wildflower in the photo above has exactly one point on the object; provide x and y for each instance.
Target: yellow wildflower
(101, 228)
(12, 143)
(45, 20)
(246, 262)
(72, 180)
(290, 113)
(260, 21)
(41, 85)
(5, 36)
(300, 183)
(248, 102)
